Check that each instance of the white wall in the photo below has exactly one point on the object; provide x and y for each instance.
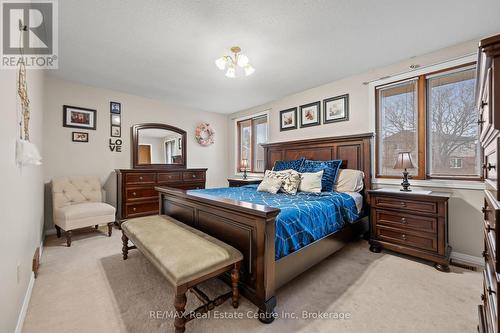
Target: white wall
(21, 197)
(465, 217)
(65, 157)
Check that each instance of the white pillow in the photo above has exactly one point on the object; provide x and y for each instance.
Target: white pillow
(271, 185)
(290, 179)
(310, 181)
(349, 180)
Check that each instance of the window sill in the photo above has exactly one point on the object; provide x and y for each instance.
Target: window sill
(436, 183)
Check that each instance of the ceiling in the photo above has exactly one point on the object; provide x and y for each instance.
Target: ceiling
(166, 49)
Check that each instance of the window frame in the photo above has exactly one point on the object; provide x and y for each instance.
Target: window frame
(238, 123)
(422, 137)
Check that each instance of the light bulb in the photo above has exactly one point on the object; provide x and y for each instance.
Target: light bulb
(249, 70)
(221, 63)
(242, 60)
(231, 73)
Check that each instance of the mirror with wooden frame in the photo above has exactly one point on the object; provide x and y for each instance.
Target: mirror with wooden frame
(158, 146)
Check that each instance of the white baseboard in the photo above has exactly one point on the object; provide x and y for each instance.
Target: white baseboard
(468, 259)
(26, 302)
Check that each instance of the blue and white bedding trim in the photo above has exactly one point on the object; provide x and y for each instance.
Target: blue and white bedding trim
(304, 217)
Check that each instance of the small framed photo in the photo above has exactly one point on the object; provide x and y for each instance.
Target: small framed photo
(116, 131)
(310, 114)
(115, 107)
(80, 137)
(116, 120)
(336, 109)
(77, 117)
(288, 119)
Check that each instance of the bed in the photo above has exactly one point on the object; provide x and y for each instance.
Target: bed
(252, 227)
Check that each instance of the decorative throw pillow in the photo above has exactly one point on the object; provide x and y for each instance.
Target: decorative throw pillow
(349, 180)
(271, 185)
(330, 168)
(290, 179)
(310, 181)
(287, 165)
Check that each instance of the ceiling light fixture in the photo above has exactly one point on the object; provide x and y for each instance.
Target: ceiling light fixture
(231, 63)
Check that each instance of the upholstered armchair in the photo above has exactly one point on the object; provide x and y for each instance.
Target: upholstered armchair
(77, 203)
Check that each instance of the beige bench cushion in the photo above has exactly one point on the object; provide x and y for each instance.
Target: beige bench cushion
(181, 253)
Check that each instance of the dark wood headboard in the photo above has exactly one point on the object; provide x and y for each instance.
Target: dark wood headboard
(354, 149)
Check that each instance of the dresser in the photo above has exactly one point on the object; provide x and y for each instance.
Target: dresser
(411, 223)
(136, 194)
(488, 106)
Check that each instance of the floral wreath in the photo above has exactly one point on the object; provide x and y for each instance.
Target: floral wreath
(205, 134)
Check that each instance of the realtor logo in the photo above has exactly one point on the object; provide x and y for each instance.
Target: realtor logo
(29, 34)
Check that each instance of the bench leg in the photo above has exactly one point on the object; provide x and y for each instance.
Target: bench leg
(125, 246)
(68, 238)
(180, 305)
(235, 278)
(110, 228)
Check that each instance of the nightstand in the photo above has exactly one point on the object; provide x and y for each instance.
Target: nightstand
(237, 182)
(413, 223)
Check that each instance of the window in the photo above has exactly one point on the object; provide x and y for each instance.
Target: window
(251, 134)
(434, 118)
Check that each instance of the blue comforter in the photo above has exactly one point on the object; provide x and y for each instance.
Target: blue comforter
(304, 217)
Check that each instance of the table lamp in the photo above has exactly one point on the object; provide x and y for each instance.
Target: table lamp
(404, 161)
(244, 166)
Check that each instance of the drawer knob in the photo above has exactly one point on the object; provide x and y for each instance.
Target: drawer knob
(134, 194)
(484, 209)
(485, 254)
(491, 291)
(483, 104)
(403, 220)
(403, 204)
(403, 236)
(489, 227)
(194, 176)
(480, 121)
(489, 166)
(169, 177)
(141, 178)
(134, 209)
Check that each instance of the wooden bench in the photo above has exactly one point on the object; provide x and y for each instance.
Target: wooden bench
(186, 257)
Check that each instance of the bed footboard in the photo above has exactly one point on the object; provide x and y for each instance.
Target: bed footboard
(248, 227)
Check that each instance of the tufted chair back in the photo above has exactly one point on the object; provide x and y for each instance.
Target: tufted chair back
(75, 190)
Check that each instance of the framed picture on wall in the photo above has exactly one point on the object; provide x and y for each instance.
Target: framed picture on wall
(310, 114)
(79, 137)
(336, 109)
(116, 120)
(115, 107)
(288, 119)
(116, 131)
(77, 117)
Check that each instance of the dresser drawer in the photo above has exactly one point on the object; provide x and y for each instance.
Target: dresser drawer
(490, 161)
(140, 178)
(408, 238)
(171, 177)
(490, 305)
(193, 175)
(407, 205)
(141, 193)
(406, 221)
(144, 208)
(192, 186)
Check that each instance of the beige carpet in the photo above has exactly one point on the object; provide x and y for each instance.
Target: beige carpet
(89, 288)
